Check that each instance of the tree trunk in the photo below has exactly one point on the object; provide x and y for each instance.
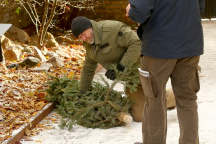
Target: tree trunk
(125, 117)
(45, 23)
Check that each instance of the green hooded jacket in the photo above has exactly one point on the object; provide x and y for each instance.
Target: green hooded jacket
(115, 43)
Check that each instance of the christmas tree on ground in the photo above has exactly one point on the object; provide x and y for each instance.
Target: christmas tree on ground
(101, 107)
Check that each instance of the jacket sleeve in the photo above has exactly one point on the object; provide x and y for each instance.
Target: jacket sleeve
(202, 5)
(140, 10)
(132, 43)
(87, 73)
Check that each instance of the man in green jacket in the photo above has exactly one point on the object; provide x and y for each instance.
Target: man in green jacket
(108, 42)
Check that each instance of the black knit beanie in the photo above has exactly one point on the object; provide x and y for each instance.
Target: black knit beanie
(79, 25)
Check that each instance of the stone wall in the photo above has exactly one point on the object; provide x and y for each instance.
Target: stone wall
(9, 15)
(109, 10)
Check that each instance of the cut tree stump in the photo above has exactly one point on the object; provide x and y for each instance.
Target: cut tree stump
(125, 117)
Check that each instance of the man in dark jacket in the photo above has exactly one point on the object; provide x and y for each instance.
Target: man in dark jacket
(110, 42)
(172, 42)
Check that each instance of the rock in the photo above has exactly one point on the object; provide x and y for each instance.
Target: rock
(33, 41)
(18, 34)
(56, 61)
(2, 38)
(43, 67)
(51, 54)
(5, 43)
(62, 54)
(50, 41)
(13, 53)
(30, 62)
(26, 48)
(38, 53)
(14, 65)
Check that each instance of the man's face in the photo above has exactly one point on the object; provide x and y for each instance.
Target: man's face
(87, 36)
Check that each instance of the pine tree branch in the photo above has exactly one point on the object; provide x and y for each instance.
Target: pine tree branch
(112, 105)
(88, 108)
(114, 83)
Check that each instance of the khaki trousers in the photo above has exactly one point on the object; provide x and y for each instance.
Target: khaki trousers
(139, 100)
(185, 83)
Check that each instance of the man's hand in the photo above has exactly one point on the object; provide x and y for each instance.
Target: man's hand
(120, 67)
(110, 74)
(127, 10)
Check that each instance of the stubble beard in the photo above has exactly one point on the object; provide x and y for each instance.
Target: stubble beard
(91, 40)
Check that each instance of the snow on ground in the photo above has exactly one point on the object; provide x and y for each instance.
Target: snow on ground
(132, 132)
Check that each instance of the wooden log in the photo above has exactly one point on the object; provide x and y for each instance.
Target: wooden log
(125, 117)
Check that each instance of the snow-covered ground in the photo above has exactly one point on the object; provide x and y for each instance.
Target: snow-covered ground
(132, 132)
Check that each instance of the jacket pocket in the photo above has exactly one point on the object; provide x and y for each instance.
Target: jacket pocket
(105, 48)
(146, 80)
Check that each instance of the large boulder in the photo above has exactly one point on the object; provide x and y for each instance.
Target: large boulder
(18, 34)
(13, 53)
(49, 41)
(5, 43)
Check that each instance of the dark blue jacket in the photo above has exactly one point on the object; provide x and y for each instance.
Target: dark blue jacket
(169, 28)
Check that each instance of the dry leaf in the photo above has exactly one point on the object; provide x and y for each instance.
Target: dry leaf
(22, 91)
(1, 117)
(27, 132)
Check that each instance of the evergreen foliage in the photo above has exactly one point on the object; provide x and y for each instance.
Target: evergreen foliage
(98, 108)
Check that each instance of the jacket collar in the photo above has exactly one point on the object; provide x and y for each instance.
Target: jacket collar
(97, 32)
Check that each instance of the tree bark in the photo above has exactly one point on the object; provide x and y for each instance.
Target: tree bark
(45, 23)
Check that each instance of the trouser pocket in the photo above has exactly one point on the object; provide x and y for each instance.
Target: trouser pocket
(196, 82)
(146, 80)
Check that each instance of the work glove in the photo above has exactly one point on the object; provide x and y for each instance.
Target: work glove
(120, 67)
(110, 74)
